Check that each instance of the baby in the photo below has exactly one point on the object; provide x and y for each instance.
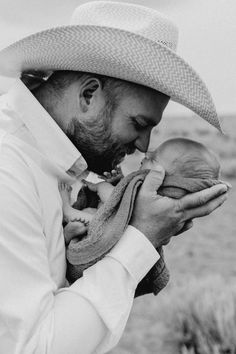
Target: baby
(186, 162)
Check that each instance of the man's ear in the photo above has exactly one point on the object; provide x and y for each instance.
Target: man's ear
(88, 92)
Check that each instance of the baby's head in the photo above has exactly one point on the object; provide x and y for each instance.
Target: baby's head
(183, 157)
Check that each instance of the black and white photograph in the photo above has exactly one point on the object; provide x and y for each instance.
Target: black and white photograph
(118, 177)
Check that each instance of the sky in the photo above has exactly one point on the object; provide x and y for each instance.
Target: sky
(207, 38)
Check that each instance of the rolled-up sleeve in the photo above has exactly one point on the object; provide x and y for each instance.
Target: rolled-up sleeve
(36, 316)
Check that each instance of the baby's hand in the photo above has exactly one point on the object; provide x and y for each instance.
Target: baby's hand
(114, 176)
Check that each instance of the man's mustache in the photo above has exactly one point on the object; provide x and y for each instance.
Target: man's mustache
(130, 149)
(119, 157)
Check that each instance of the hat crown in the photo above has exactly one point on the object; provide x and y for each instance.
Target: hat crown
(137, 19)
(125, 41)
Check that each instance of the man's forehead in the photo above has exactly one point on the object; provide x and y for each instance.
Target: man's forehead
(145, 91)
(146, 99)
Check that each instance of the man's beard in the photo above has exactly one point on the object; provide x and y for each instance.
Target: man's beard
(95, 142)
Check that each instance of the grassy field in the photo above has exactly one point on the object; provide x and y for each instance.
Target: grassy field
(206, 251)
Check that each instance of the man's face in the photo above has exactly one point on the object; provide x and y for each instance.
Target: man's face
(106, 137)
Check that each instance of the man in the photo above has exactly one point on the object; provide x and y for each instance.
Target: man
(110, 76)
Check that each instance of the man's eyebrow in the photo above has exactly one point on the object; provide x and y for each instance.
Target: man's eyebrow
(149, 120)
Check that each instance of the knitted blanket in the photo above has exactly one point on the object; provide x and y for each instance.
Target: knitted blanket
(111, 220)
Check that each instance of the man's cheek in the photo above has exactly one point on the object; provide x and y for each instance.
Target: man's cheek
(126, 135)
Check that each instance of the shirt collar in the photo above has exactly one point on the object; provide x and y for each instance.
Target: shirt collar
(49, 136)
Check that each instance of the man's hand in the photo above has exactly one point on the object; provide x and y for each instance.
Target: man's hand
(160, 218)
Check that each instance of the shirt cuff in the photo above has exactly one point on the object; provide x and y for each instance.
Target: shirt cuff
(135, 252)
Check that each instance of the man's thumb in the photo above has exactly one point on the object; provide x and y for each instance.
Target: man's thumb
(153, 180)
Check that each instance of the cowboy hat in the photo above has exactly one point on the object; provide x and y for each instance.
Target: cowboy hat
(125, 41)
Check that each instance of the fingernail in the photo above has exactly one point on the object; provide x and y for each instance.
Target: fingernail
(223, 188)
(229, 185)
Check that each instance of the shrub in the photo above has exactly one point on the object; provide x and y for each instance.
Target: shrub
(204, 318)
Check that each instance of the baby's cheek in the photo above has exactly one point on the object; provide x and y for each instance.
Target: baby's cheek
(147, 165)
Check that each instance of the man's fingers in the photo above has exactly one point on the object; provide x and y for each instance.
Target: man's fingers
(199, 199)
(229, 185)
(153, 180)
(205, 209)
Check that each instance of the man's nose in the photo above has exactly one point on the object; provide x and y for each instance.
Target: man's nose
(142, 142)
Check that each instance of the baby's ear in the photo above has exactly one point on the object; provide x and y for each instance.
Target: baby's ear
(218, 174)
(218, 170)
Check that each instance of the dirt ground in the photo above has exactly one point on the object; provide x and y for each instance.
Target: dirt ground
(207, 250)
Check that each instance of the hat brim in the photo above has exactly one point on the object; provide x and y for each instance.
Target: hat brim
(112, 52)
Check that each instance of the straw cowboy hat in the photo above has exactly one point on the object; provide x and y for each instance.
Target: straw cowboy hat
(125, 41)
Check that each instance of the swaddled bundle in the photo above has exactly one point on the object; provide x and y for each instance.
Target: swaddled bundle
(189, 167)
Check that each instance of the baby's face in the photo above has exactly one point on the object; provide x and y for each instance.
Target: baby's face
(183, 157)
(151, 161)
(155, 158)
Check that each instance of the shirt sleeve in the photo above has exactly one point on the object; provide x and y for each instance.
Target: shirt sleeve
(110, 284)
(36, 317)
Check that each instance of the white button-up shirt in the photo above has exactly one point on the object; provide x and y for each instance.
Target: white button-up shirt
(39, 312)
